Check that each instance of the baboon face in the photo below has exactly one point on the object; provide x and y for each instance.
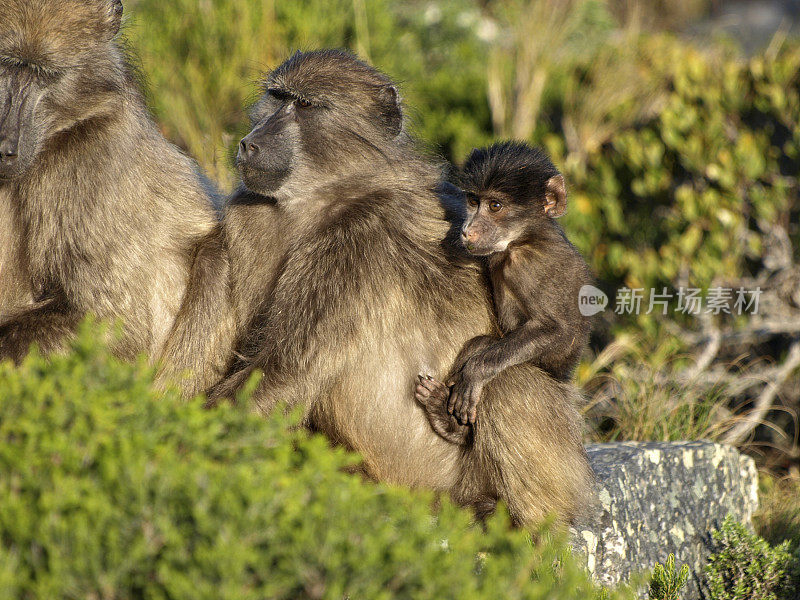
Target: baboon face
(322, 114)
(55, 56)
(493, 222)
(511, 190)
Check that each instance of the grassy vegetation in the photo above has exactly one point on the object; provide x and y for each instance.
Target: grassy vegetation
(778, 519)
(636, 395)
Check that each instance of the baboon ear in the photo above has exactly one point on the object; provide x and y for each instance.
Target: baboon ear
(113, 16)
(392, 110)
(555, 197)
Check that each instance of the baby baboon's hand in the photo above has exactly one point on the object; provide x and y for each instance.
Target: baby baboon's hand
(465, 393)
(432, 395)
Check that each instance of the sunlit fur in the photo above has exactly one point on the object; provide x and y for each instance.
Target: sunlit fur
(351, 280)
(98, 214)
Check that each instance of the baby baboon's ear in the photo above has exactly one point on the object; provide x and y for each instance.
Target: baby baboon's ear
(392, 111)
(113, 16)
(555, 203)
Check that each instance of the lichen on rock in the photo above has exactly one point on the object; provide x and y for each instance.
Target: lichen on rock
(657, 498)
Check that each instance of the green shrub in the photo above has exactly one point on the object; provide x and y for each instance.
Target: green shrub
(666, 582)
(109, 489)
(746, 567)
(682, 194)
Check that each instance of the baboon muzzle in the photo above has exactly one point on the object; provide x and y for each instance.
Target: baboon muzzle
(17, 102)
(265, 154)
(9, 145)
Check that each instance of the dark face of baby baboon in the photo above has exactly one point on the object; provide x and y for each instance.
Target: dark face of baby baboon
(318, 107)
(512, 189)
(54, 55)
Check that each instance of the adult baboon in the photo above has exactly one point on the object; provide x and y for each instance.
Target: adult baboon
(104, 215)
(367, 292)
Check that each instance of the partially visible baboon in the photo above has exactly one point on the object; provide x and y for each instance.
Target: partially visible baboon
(514, 193)
(106, 217)
(14, 288)
(368, 291)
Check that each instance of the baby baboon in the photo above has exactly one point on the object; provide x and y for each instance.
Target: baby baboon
(107, 217)
(514, 193)
(363, 292)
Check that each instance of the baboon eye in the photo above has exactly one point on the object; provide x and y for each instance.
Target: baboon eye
(303, 103)
(495, 206)
(472, 200)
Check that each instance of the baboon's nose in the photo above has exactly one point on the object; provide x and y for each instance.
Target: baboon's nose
(8, 150)
(248, 149)
(468, 235)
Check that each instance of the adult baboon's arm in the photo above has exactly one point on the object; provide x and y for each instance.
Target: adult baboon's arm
(199, 345)
(316, 314)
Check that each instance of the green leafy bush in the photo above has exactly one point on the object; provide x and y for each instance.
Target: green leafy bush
(109, 489)
(666, 582)
(746, 567)
(688, 192)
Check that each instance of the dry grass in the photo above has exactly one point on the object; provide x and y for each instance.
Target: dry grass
(650, 393)
(533, 47)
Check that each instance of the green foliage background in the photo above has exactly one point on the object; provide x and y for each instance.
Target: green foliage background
(745, 566)
(674, 152)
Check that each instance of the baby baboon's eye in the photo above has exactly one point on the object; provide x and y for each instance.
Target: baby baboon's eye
(472, 200)
(495, 206)
(303, 103)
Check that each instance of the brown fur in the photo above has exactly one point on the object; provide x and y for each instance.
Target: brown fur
(15, 290)
(106, 217)
(336, 259)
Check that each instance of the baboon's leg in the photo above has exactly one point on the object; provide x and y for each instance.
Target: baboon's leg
(15, 289)
(527, 448)
(49, 324)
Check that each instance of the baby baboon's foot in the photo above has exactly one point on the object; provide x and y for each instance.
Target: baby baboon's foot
(433, 395)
